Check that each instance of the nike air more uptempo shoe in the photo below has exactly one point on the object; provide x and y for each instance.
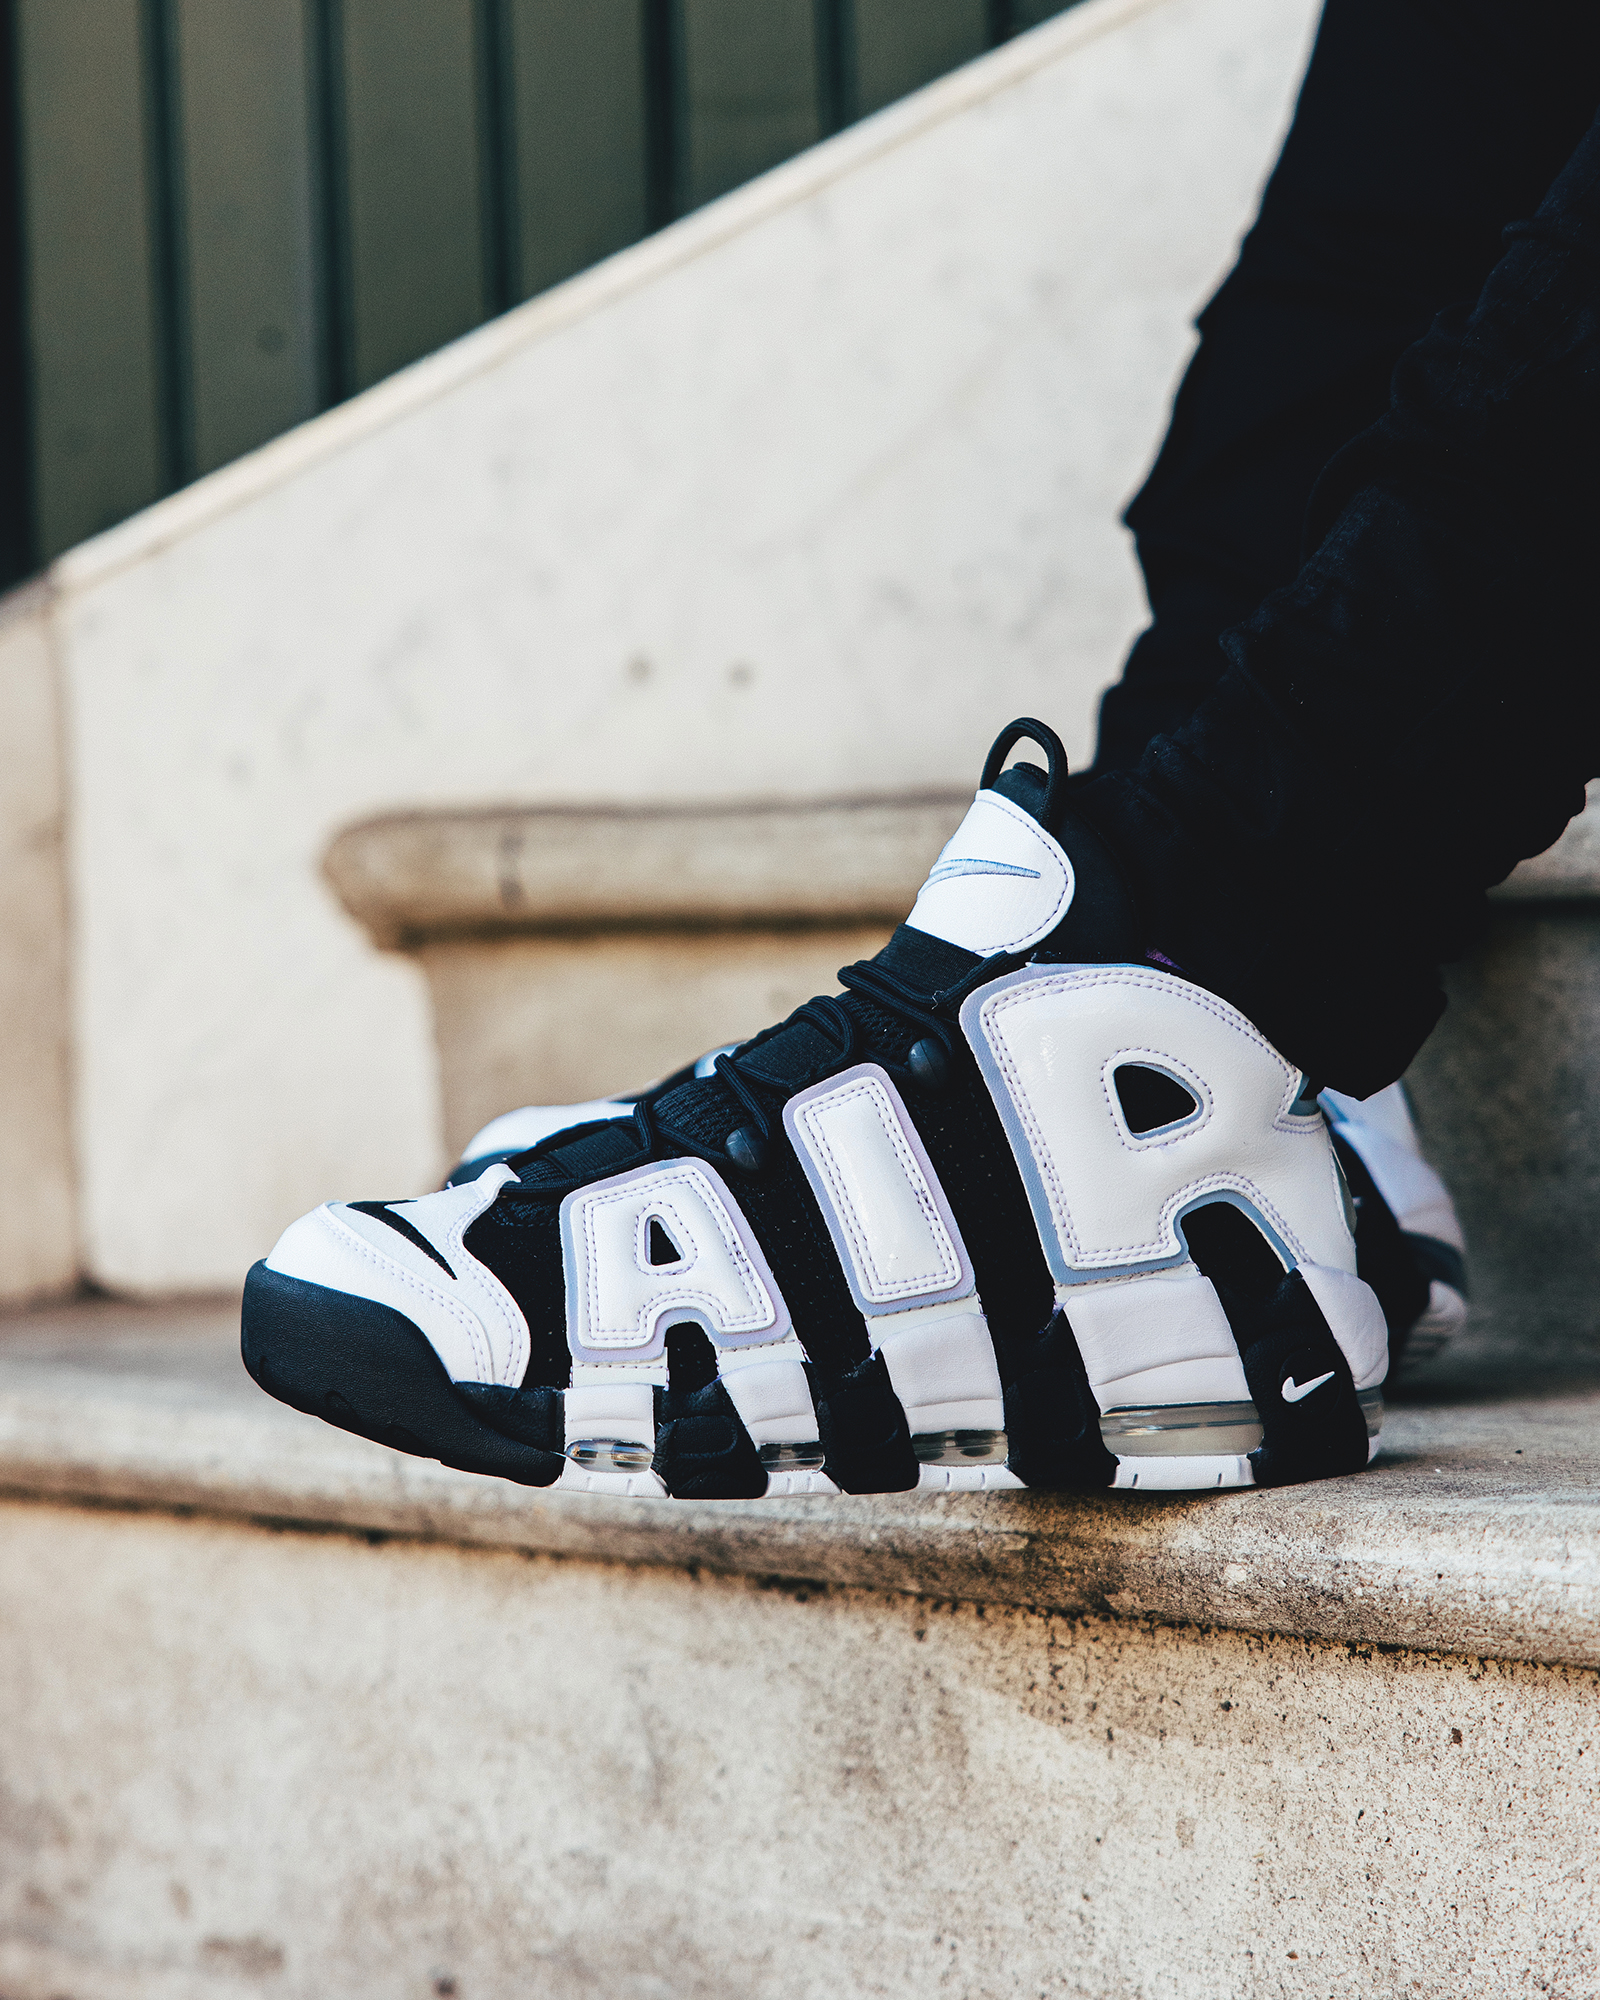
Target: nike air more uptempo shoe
(1409, 1244)
(1017, 1208)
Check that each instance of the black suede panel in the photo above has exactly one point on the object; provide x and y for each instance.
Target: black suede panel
(864, 1433)
(972, 1158)
(703, 1451)
(1285, 1342)
(1052, 1418)
(1229, 1248)
(1385, 1259)
(786, 1222)
(520, 1241)
(531, 1416)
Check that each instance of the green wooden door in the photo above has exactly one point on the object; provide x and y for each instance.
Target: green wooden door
(232, 213)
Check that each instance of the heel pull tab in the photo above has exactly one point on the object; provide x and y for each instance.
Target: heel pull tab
(1026, 730)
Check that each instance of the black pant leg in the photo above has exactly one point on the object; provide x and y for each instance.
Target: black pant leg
(1421, 707)
(1422, 129)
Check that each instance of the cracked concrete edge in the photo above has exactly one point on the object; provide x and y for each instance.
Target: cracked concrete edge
(1492, 1576)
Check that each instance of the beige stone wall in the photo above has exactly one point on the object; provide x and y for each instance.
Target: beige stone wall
(38, 1252)
(557, 1020)
(804, 496)
(305, 1765)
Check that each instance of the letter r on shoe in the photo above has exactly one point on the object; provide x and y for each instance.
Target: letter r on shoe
(1109, 1200)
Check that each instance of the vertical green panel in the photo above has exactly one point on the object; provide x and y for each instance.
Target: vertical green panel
(903, 44)
(246, 144)
(1029, 13)
(93, 352)
(749, 90)
(578, 92)
(416, 247)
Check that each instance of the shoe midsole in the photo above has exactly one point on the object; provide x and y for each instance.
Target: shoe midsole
(1183, 1430)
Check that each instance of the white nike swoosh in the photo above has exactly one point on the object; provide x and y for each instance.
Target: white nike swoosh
(1293, 1391)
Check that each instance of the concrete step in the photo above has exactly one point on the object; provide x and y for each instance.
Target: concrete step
(289, 1711)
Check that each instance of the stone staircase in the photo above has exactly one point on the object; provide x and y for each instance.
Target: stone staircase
(288, 1713)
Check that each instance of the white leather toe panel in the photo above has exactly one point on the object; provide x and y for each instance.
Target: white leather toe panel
(470, 1319)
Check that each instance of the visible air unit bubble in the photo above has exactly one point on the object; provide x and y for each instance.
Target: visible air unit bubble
(793, 1457)
(1371, 1401)
(960, 1447)
(610, 1455)
(1182, 1430)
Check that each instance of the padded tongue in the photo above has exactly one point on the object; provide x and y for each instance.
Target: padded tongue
(1003, 882)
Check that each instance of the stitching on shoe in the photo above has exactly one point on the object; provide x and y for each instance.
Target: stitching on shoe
(876, 1096)
(521, 1334)
(755, 1290)
(1135, 1143)
(476, 1337)
(1126, 977)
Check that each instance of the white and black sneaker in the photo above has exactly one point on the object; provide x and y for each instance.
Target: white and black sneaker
(1409, 1245)
(1016, 1208)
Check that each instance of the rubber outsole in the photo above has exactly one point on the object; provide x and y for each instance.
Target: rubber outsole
(368, 1369)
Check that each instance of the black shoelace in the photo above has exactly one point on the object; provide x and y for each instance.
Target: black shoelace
(926, 1067)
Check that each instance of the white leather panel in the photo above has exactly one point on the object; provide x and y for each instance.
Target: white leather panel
(610, 1403)
(1381, 1131)
(1129, 1325)
(768, 1387)
(1355, 1319)
(942, 1367)
(891, 1225)
(516, 1131)
(1218, 1378)
(619, 1305)
(1107, 1200)
(1000, 884)
(470, 1319)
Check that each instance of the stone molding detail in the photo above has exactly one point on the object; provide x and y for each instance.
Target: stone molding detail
(516, 870)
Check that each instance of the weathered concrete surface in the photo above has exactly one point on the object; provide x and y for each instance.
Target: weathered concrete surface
(558, 1020)
(38, 1247)
(1507, 1092)
(239, 1761)
(1477, 1532)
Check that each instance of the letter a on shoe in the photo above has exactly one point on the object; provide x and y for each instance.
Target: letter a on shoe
(1017, 1207)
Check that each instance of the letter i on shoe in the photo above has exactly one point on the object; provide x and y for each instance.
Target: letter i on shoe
(1016, 1208)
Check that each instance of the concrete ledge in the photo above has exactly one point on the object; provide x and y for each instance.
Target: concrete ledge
(519, 869)
(1569, 872)
(1478, 1532)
